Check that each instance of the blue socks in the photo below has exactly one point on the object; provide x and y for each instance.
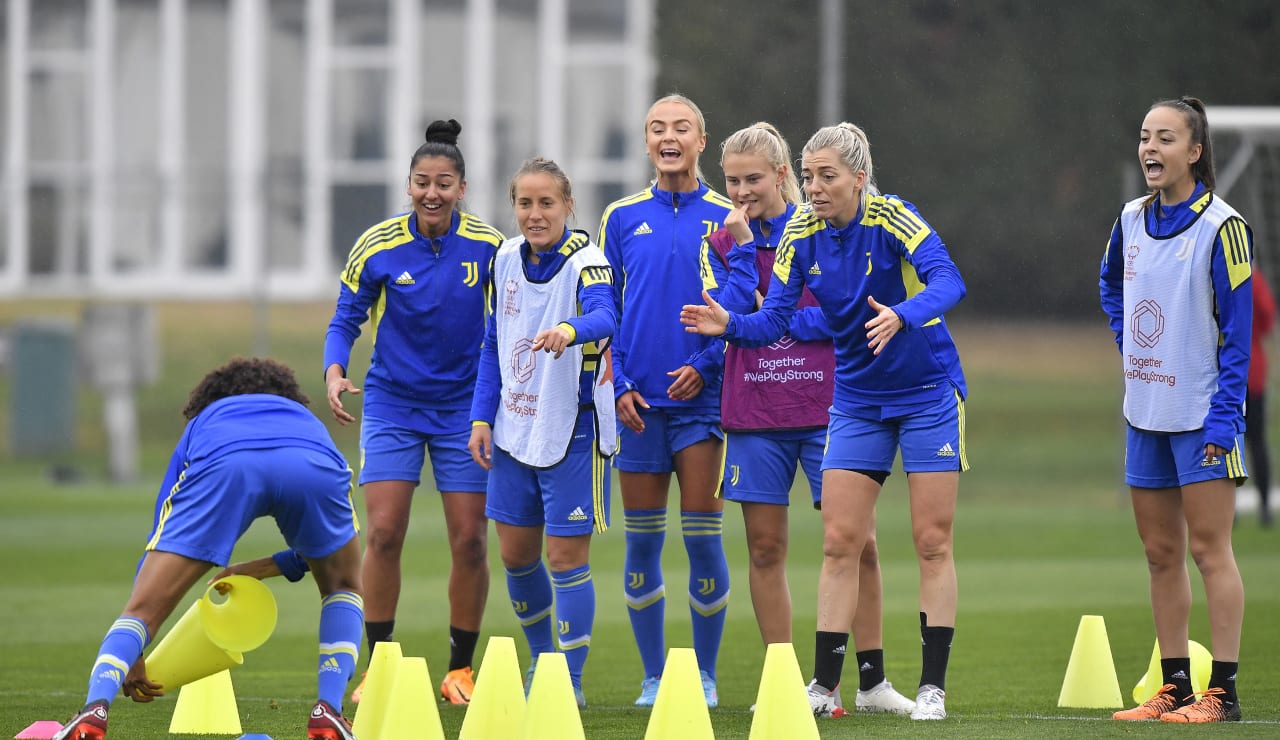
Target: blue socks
(120, 649)
(575, 613)
(708, 583)
(341, 625)
(530, 592)
(646, 530)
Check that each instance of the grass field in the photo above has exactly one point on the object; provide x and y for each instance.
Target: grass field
(1044, 536)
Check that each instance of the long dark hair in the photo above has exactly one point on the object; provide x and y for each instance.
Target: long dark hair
(1192, 110)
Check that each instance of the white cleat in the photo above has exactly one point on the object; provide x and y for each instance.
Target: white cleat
(823, 702)
(884, 698)
(930, 703)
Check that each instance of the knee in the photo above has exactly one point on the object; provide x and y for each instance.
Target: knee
(839, 544)
(385, 541)
(767, 552)
(1163, 556)
(933, 545)
(1209, 554)
(470, 547)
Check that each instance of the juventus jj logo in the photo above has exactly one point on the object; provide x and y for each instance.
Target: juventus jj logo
(706, 586)
(635, 580)
(520, 606)
(1184, 248)
(733, 475)
(473, 274)
(564, 627)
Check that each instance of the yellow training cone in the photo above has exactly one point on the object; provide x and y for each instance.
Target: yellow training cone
(206, 707)
(411, 709)
(680, 711)
(552, 712)
(496, 711)
(1091, 673)
(1153, 679)
(235, 615)
(378, 682)
(782, 704)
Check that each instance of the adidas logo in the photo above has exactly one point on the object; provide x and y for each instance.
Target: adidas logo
(946, 451)
(330, 665)
(642, 229)
(1179, 674)
(111, 674)
(838, 651)
(577, 515)
(815, 270)
(865, 667)
(404, 279)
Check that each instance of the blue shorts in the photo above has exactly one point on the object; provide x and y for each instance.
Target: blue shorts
(929, 434)
(307, 492)
(1154, 460)
(569, 499)
(666, 432)
(760, 467)
(390, 451)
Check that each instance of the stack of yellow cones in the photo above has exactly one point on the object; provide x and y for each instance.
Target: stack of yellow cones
(782, 704)
(214, 633)
(552, 712)
(497, 707)
(207, 707)
(378, 682)
(1153, 679)
(680, 711)
(1091, 673)
(411, 709)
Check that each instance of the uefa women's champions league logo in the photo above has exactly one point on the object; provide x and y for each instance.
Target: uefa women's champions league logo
(511, 303)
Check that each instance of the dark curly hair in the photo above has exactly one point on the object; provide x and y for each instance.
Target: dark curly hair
(244, 375)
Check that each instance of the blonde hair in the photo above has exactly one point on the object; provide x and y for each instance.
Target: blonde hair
(763, 140)
(698, 119)
(852, 145)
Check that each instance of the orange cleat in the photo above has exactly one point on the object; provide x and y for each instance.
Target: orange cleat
(359, 690)
(457, 686)
(1164, 701)
(1211, 707)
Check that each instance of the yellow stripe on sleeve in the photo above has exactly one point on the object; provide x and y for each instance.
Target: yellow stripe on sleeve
(1234, 235)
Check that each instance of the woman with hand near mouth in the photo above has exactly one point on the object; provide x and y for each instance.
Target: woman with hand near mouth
(542, 414)
(668, 388)
(1176, 287)
(419, 277)
(883, 279)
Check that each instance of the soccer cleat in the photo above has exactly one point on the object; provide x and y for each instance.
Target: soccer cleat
(648, 691)
(579, 697)
(1211, 707)
(457, 686)
(359, 690)
(883, 698)
(1165, 700)
(89, 724)
(709, 690)
(930, 703)
(528, 678)
(823, 702)
(327, 723)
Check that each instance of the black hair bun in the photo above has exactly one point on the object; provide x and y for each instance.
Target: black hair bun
(445, 132)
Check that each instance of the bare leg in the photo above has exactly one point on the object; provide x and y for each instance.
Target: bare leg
(766, 526)
(468, 528)
(1163, 529)
(933, 512)
(387, 505)
(1210, 509)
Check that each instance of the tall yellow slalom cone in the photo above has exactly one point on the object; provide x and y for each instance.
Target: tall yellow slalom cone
(1091, 673)
(782, 704)
(207, 707)
(496, 711)
(552, 712)
(411, 709)
(235, 615)
(378, 682)
(680, 711)
(1153, 679)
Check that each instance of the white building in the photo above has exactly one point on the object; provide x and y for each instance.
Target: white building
(230, 148)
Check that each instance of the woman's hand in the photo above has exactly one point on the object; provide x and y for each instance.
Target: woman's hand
(739, 226)
(687, 384)
(628, 410)
(481, 445)
(260, 569)
(881, 328)
(555, 339)
(335, 385)
(137, 686)
(710, 320)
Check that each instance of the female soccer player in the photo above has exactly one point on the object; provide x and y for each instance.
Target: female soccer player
(250, 449)
(668, 389)
(420, 278)
(773, 406)
(1176, 287)
(883, 279)
(543, 415)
